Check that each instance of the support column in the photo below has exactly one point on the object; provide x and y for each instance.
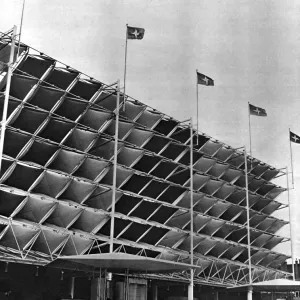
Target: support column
(249, 293)
(72, 287)
(97, 288)
(216, 295)
(154, 292)
(191, 287)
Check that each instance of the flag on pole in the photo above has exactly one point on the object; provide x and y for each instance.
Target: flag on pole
(204, 80)
(294, 138)
(257, 111)
(135, 33)
(132, 33)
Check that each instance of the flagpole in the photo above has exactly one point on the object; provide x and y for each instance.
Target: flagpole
(291, 152)
(21, 26)
(249, 129)
(191, 286)
(7, 90)
(290, 217)
(249, 295)
(112, 218)
(197, 107)
(125, 66)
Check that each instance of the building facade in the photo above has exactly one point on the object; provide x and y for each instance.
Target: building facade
(57, 175)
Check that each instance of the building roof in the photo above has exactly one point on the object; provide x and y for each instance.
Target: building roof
(124, 262)
(275, 285)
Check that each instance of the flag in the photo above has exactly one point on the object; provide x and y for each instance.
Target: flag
(135, 33)
(257, 111)
(294, 138)
(204, 80)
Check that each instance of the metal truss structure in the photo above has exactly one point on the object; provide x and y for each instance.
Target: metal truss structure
(56, 181)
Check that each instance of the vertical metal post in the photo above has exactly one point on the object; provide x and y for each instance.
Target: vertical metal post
(191, 286)
(197, 97)
(250, 141)
(127, 285)
(249, 294)
(100, 286)
(72, 287)
(112, 218)
(290, 217)
(6, 99)
(154, 292)
(105, 285)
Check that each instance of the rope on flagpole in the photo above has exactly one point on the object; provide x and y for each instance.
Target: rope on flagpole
(125, 67)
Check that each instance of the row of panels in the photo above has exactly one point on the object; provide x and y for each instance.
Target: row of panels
(66, 79)
(67, 217)
(50, 240)
(174, 169)
(69, 188)
(135, 111)
(94, 119)
(231, 207)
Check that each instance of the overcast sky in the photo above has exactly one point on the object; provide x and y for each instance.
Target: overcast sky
(250, 48)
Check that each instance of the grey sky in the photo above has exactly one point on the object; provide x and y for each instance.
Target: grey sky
(250, 48)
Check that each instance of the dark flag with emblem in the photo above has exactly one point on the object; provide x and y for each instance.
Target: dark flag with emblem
(294, 138)
(132, 33)
(257, 111)
(135, 33)
(204, 80)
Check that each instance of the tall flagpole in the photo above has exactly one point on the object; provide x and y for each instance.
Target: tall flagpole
(291, 152)
(7, 90)
(125, 66)
(191, 286)
(112, 218)
(249, 129)
(290, 217)
(21, 26)
(250, 289)
(197, 107)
